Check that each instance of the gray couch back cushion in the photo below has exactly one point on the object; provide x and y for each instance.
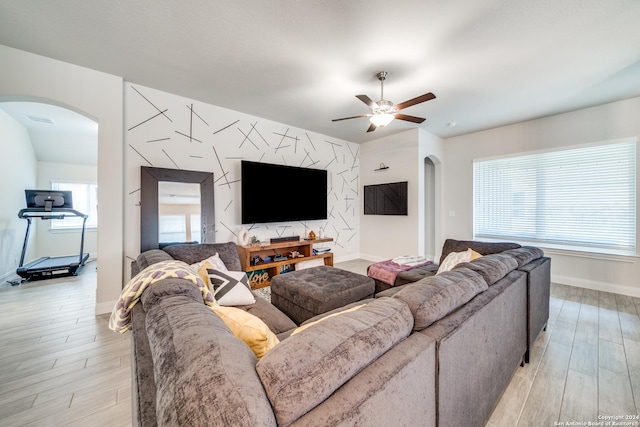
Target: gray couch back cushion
(306, 368)
(147, 258)
(483, 248)
(491, 267)
(203, 374)
(525, 254)
(192, 253)
(432, 298)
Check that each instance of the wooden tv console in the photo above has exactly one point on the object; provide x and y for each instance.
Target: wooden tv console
(260, 274)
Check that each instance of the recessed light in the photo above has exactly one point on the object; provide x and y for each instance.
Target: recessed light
(40, 119)
(452, 124)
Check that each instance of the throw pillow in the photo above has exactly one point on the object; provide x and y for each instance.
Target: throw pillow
(249, 328)
(453, 259)
(214, 261)
(474, 254)
(228, 287)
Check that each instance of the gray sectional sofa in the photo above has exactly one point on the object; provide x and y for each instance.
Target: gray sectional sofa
(436, 352)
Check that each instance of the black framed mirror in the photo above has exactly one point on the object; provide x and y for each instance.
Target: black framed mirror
(149, 213)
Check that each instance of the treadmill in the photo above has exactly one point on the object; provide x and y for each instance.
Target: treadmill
(47, 205)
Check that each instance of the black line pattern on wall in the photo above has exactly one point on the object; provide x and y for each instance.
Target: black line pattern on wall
(226, 127)
(310, 141)
(141, 156)
(169, 157)
(156, 144)
(160, 112)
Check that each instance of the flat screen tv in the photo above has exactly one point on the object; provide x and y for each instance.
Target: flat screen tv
(386, 199)
(278, 193)
(48, 199)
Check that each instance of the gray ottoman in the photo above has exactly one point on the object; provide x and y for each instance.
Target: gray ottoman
(312, 291)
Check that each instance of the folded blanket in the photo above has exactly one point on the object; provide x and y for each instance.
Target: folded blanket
(120, 320)
(387, 271)
(410, 260)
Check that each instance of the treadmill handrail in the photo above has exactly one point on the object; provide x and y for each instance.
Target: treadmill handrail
(54, 213)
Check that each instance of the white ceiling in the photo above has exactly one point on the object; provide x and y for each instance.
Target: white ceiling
(489, 62)
(58, 135)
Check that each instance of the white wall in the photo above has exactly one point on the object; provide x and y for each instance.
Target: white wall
(221, 138)
(18, 171)
(25, 76)
(607, 122)
(430, 192)
(64, 242)
(384, 237)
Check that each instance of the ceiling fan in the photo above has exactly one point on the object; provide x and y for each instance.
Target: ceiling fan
(383, 111)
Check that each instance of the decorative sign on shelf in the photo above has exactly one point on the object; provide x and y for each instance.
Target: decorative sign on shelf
(258, 277)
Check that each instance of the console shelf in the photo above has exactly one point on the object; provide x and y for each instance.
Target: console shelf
(260, 274)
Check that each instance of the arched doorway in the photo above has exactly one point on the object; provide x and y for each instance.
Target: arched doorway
(47, 146)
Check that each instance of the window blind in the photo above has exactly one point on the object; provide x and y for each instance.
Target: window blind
(85, 200)
(582, 198)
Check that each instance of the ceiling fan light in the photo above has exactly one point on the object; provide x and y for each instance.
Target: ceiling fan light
(381, 120)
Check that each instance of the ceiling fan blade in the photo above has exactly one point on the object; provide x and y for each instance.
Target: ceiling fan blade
(417, 100)
(413, 119)
(372, 127)
(352, 117)
(367, 100)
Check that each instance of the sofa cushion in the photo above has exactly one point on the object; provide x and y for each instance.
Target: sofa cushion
(525, 254)
(147, 258)
(306, 368)
(276, 320)
(203, 374)
(191, 253)
(249, 328)
(492, 267)
(484, 248)
(432, 298)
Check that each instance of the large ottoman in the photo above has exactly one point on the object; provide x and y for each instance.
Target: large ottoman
(306, 293)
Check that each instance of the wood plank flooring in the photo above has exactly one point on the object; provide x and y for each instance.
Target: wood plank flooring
(60, 365)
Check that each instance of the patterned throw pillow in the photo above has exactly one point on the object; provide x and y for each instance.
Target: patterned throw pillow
(228, 287)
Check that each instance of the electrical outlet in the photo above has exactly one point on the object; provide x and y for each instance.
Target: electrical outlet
(452, 213)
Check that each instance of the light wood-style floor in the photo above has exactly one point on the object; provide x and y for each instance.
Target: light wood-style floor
(61, 365)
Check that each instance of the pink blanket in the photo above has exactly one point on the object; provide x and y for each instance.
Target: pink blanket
(387, 271)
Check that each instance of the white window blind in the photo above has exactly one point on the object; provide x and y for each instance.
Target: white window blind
(582, 198)
(85, 200)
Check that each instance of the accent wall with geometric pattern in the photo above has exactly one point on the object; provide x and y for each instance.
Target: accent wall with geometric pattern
(168, 131)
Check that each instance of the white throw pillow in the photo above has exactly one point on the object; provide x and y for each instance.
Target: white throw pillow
(229, 287)
(453, 259)
(214, 262)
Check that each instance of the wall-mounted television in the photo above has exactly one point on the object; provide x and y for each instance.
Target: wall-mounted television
(386, 199)
(278, 193)
(48, 199)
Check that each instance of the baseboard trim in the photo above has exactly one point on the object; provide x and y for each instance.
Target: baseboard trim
(596, 286)
(105, 307)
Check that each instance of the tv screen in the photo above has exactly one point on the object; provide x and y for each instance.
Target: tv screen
(48, 199)
(277, 193)
(386, 199)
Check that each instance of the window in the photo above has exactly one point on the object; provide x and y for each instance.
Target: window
(172, 228)
(85, 200)
(581, 199)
